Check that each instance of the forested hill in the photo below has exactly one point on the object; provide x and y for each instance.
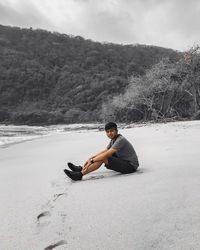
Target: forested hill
(49, 77)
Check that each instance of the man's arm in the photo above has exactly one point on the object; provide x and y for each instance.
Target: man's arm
(104, 154)
(100, 157)
(105, 150)
(92, 157)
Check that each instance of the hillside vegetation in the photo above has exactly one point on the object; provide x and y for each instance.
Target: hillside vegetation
(48, 78)
(169, 90)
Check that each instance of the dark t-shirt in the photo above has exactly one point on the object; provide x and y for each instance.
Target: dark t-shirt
(125, 150)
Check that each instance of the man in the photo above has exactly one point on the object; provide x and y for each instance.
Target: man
(119, 156)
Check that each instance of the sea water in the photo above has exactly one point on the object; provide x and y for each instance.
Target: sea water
(10, 134)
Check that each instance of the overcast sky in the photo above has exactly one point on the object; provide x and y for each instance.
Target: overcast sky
(167, 23)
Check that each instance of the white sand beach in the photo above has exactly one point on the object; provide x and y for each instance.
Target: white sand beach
(157, 207)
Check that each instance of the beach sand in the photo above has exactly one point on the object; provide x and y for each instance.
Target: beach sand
(155, 208)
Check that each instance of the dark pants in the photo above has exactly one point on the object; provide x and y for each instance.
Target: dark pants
(119, 165)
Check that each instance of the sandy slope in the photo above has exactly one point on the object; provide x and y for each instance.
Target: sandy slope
(156, 208)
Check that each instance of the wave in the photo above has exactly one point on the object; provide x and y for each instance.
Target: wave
(10, 134)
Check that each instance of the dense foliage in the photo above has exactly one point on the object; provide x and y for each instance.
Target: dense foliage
(56, 78)
(167, 90)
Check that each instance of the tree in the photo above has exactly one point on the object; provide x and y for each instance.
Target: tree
(169, 89)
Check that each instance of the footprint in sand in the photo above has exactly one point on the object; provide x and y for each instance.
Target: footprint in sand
(56, 196)
(43, 218)
(139, 171)
(50, 203)
(43, 215)
(59, 243)
(94, 177)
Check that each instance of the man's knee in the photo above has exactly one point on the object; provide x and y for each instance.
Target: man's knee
(105, 161)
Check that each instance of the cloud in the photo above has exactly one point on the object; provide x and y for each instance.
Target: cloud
(169, 23)
(23, 14)
(185, 16)
(7, 14)
(106, 21)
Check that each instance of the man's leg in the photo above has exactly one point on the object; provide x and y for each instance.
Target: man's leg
(92, 167)
(119, 165)
(77, 176)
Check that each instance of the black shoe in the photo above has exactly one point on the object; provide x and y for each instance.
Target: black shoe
(74, 167)
(75, 176)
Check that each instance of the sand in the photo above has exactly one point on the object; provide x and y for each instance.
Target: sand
(157, 207)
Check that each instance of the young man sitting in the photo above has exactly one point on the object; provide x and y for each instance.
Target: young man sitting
(119, 156)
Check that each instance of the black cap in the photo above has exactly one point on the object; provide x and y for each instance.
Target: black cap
(110, 125)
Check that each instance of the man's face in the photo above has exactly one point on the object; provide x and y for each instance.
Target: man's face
(111, 133)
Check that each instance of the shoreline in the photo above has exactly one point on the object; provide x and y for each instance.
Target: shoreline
(76, 127)
(100, 126)
(28, 133)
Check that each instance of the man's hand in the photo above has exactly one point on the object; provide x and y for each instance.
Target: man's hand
(87, 164)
